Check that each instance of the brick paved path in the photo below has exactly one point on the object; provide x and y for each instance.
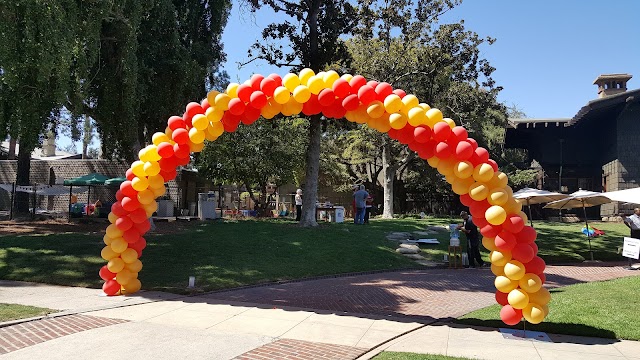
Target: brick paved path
(424, 294)
(301, 350)
(19, 336)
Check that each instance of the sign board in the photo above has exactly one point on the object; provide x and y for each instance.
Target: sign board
(631, 248)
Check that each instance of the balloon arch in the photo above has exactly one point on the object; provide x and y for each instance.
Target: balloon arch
(445, 146)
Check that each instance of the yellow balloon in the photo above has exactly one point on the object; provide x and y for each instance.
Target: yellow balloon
(540, 297)
(158, 138)
(145, 196)
(330, 77)
(347, 77)
(196, 136)
(502, 180)
(222, 101)
(546, 310)
(281, 95)
(142, 155)
(107, 253)
(524, 216)
(151, 168)
(495, 215)
(129, 256)
(397, 121)
(409, 102)
(214, 115)
(152, 153)
(434, 116)
(514, 270)
(292, 107)
(483, 173)
(150, 208)
(450, 178)
(140, 183)
(232, 90)
(118, 245)
(518, 299)
(107, 240)
(112, 217)
(463, 170)
(417, 116)
(530, 283)
(497, 197)
(451, 123)
(216, 129)
(158, 192)
(478, 191)
(383, 123)
(301, 94)
(512, 206)
(461, 186)
(393, 103)
(504, 284)
(534, 313)
(500, 258)
(489, 243)
(305, 74)
(138, 168)
(132, 286)
(375, 109)
(433, 161)
(156, 181)
(508, 190)
(134, 266)
(315, 84)
(291, 81)
(445, 166)
(168, 132)
(115, 265)
(200, 121)
(211, 97)
(113, 231)
(426, 107)
(497, 270)
(124, 276)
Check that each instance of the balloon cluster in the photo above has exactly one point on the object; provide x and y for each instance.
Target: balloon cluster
(445, 146)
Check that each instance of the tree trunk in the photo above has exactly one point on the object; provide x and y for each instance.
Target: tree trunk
(12, 149)
(389, 177)
(22, 177)
(310, 195)
(86, 138)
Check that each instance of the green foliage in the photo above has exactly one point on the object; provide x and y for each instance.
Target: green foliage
(10, 312)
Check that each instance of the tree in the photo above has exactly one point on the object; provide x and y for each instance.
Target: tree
(257, 155)
(314, 44)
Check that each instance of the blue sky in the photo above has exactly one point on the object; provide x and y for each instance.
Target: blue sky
(547, 53)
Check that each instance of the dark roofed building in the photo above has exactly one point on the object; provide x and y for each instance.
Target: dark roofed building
(595, 150)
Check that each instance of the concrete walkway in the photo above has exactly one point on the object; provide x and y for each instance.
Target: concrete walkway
(166, 326)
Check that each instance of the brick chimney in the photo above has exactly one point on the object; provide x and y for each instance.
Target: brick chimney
(611, 84)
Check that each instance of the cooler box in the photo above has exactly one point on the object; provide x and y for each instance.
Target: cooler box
(339, 214)
(206, 206)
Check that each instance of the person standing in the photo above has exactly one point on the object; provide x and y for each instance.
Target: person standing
(367, 209)
(473, 239)
(298, 200)
(633, 223)
(360, 197)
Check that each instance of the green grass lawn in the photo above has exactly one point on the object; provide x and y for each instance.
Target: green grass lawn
(13, 312)
(389, 355)
(606, 309)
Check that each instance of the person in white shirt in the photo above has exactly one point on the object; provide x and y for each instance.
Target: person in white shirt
(633, 223)
(298, 204)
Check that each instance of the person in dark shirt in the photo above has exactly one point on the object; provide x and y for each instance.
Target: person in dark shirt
(473, 239)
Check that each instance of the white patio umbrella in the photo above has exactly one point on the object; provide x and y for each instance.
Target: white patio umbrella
(535, 196)
(629, 196)
(583, 199)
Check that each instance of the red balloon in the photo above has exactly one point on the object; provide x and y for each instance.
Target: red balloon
(527, 235)
(351, 102)
(372, 83)
(184, 161)
(165, 150)
(510, 316)
(268, 86)
(130, 204)
(414, 146)
(473, 142)
(505, 241)
(111, 287)
(250, 115)
(105, 274)
(523, 253)
(366, 94)
(443, 150)
(405, 135)
(393, 134)
(493, 164)
(193, 109)
(181, 151)
(356, 83)
(276, 77)
(127, 189)
(482, 154)
(130, 175)
(312, 106)
(536, 265)
(501, 298)
(124, 223)
(478, 208)
(542, 277)
(117, 209)
(237, 106)
(258, 99)
(205, 104)
(167, 164)
(466, 200)
(464, 150)
(244, 93)
(326, 97)
(340, 111)
(168, 175)
(138, 215)
(180, 136)
(176, 122)
(187, 120)
(139, 245)
(460, 133)
(132, 235)
(143, 227)
(383, 90)
(534, 246)
(490, 231)
(422, 134)
(341, 88)
(514, 224)
(400, 93)
(480, 221)
(429, 149)
(441, 131)
(230, 121)
(119, 195)
(256, 80)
